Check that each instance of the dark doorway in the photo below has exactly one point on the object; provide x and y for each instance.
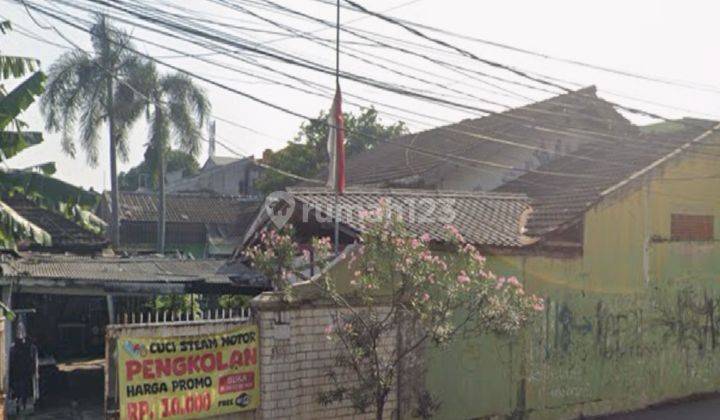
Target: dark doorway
(69, 336)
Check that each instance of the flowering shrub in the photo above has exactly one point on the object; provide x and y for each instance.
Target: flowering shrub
(279, 258)
(399, 284)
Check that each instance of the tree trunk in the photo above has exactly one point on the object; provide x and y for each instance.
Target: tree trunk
(115, 197)
(379, 408)
(161, 209)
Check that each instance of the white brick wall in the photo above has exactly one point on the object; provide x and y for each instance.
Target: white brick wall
(295, 358)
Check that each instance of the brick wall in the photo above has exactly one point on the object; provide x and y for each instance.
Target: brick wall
(295, 357)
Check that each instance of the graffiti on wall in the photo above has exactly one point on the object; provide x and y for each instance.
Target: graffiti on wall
(687, 318)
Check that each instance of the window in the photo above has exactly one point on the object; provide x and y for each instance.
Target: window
(690, 227)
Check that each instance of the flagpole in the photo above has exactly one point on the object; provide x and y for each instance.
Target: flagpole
(337, 86)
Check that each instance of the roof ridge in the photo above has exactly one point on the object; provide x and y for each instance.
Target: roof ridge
(193, 194)
(587, 89)
(409, 192)
(661, 160)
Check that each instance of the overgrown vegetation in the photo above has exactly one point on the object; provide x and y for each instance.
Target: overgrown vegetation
(142, 175)
(400, 285)
(306, 154)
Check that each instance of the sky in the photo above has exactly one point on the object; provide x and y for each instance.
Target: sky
(671, 40)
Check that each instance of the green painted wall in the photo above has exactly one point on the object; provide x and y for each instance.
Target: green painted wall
(633, 321)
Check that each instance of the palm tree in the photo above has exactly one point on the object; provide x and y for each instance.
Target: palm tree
(82, 89)
(176, 108)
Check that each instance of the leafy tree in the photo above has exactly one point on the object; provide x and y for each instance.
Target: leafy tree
(177, 160)
(400, 285)
(176, 109)
(306, 154)
(92, 89)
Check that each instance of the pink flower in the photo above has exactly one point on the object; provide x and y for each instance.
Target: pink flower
(329, 329)
(415, 243)
(463, 278)
(539, 306)
(500, 282)
(425, 297)
(425, 237)
(455, 232)
(513, 281)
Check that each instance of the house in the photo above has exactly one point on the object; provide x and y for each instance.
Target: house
(65, 287)
(222, 175)
(621, 239)
(513, 141)
(200, 223)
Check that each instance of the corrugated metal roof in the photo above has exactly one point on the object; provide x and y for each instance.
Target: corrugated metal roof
(129, 270)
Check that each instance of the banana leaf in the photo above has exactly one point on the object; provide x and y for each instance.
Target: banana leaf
(13, 142)
(20, 98)
(14, 227)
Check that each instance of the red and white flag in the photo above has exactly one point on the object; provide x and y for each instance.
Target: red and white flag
(336, 145)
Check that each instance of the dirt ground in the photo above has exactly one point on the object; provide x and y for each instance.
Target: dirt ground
(72, 391)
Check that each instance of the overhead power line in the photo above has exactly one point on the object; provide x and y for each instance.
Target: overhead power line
(418, 150)
(442, 156)
(535, 123)
(622, 72)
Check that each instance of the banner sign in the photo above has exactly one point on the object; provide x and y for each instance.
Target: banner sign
(188, 377)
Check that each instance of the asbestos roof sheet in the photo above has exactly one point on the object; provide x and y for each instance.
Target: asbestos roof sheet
(492, 219)
(561, 200)
(390, 162)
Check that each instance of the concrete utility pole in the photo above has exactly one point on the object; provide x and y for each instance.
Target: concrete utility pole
(337, 87)
(211, 140)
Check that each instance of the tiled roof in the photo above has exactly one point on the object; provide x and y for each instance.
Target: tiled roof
(186, 207)
(129, 270)
(491, 219)
(560, 200)
(64, 233)
(532, 125)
